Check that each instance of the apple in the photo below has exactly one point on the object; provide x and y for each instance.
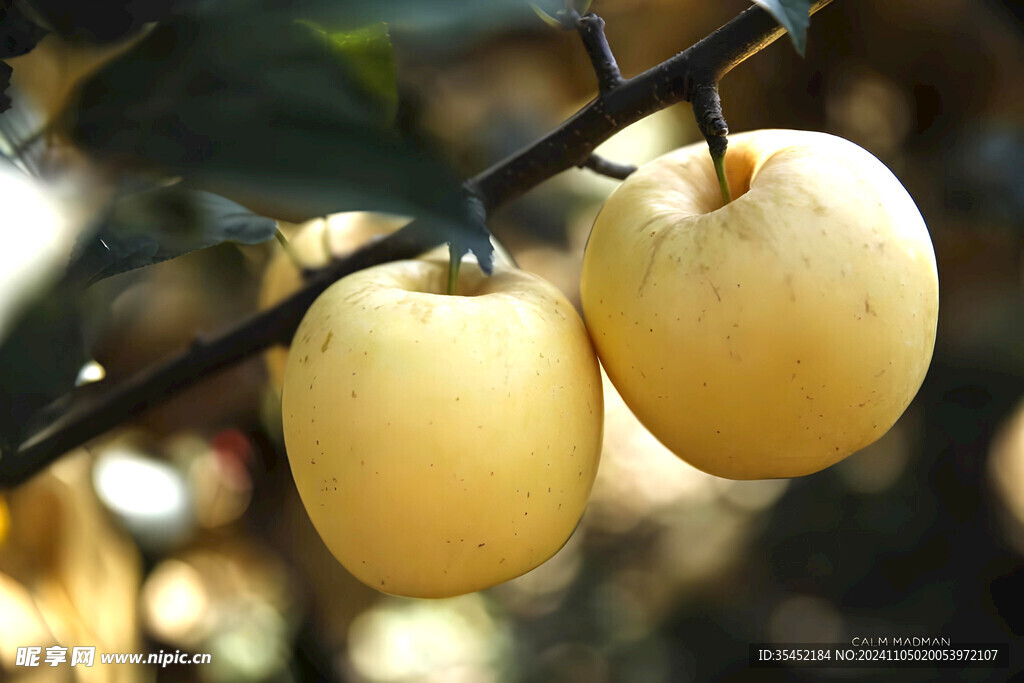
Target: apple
(315, 243)
(775, 335)
(442, 444)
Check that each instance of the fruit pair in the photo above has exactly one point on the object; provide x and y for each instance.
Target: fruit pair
(442, 444)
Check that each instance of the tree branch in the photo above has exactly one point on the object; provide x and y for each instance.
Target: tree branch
(151, 386)
(636, 98)
(571, 144)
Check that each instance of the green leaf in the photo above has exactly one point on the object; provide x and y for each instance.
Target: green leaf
(258, 107)
(794, 15)
(18, 33)
(368, 54)
(472, 235)
(101, 21)
(46, 348)
(468, 234)
(446, 23)
(5, 82)
(160, 224)
(39, 361)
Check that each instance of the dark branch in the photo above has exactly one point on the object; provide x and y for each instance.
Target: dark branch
(591, 30)
(635, 98)
(153, 385)
(571, 144)
(609, 168)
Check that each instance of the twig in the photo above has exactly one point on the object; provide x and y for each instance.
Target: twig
(571, 144)
(591, 30)
(635, 98)
(611, 169)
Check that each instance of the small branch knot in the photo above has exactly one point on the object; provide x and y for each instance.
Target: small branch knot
(707, 109)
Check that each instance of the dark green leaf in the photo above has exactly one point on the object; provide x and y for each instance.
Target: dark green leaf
(156, 225)
(259, 107)
(368, 54)
(469, 234)
(39, 362)
(5, 81)
(18, 33)
(449, 23)
(794, 15)
(101, 21)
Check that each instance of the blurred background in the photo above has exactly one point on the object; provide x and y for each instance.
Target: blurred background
(183, 530)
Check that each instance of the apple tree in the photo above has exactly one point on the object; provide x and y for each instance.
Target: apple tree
(219, 118)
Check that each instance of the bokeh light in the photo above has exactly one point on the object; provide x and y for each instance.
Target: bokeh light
(175, 604)
(90, 372)
(806, 619)
(149, 496)
(29, 258)
(455, 639)
(20, 621)
(867, 107)
(542, 590)
(5, 519)
(879, 466)
(638, 476)
(1006, 474)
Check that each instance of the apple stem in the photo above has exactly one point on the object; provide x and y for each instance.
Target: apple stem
(723, 182)
(292, 254)
(454, 263)
(707, 109)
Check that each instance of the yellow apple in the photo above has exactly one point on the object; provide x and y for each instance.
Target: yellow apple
(775, 335)
(442, 444)
(315, 243)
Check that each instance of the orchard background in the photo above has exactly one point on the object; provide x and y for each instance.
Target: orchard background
(181, 528)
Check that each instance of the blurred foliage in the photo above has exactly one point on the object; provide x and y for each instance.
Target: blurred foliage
(39, 361)
(100, 21)
(154, 225)
(272, 115)
(18, 35)
(41, 356)
(292, 116)
(794, 15)
(372, 60)
(5, 79)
